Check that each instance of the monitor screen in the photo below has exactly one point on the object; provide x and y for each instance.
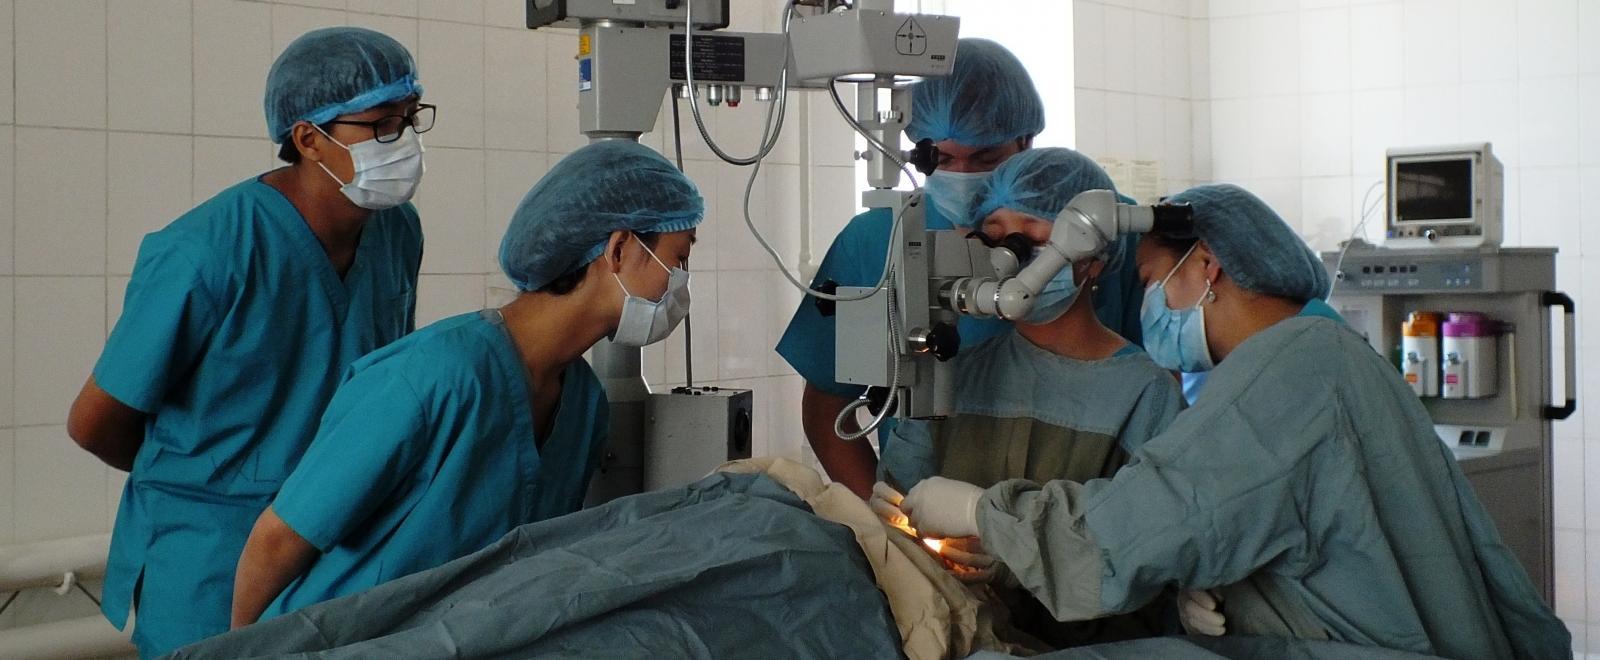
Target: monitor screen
(1433, 190)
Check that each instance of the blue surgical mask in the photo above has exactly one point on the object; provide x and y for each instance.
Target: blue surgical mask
(951, 194)
(1176, 338)
(1054, 299)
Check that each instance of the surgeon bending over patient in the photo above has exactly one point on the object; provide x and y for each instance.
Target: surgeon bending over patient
(1306, 485)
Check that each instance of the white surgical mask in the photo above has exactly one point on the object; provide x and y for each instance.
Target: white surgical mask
(646, 321)
(386, 173)
(951, 194)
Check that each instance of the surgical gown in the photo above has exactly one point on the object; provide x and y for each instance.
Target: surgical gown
(428, 453)
(234, 334)
(1025, 413)
(856, 259)
(1022, 412)
(1308, 484)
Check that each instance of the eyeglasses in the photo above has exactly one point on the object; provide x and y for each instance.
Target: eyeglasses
(387, 129)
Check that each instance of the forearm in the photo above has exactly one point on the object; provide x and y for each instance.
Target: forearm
(852, 463)
(273, 557)
(1039, 532)
(106, 427)
(118, 452)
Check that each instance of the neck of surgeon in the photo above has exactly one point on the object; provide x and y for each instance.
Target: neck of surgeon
(1078, 334)
(335, 221)
(551, 331)
(1238, 314)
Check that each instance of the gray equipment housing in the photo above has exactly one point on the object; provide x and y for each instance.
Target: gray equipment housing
(709, 14)
(862, 342)
(690, 431)
(1502, 443)
(628, 70)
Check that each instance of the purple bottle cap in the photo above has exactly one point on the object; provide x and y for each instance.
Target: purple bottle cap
(1470, 324)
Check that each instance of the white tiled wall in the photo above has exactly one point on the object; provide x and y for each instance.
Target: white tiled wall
(1137, 95)
(117, 116)
(1305, 97)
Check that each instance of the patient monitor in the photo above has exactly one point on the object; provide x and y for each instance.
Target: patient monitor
(1445, 197)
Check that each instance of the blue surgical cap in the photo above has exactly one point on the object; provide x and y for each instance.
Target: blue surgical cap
(1254, 245)
(336, 71)
(987, 99)
(564, 222)
(1039, 182)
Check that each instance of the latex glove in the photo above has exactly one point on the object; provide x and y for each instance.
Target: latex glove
(943, 508)
(967, 561)
(885, 501)
(1201, 613)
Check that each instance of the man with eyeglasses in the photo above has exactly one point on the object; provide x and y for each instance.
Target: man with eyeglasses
(240, 320)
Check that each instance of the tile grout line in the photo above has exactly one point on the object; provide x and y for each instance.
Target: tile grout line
(105, 282)
(194, 115)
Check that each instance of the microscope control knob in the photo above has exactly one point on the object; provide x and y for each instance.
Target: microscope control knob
(924, 156)
(944, 341)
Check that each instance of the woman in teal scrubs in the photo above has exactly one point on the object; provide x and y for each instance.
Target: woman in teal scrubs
(240, 319)
(445, 441)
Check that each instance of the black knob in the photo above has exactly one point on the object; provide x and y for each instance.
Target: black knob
(944, 341)
(876, 397)
(925, 156)
(825, 307)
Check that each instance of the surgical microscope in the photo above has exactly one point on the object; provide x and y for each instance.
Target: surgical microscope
(902, 334)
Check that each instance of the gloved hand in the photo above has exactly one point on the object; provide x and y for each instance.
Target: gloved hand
(943, 508)
(969, 563)
(885, 501)
(1200, 612)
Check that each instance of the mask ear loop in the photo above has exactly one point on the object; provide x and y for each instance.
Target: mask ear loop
(1178, 265)
(330, 137)
(652, 253)
(325, 167)
(658, 261)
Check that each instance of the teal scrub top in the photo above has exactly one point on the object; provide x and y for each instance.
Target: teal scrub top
(856, 259)
(428, 453)
(233, 336)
